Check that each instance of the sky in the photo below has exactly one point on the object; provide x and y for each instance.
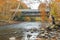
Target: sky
(33, 4)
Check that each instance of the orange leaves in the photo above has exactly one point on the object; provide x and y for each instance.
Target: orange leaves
(42, 8)
(2, 2)
(6, 5)
(42, 5)
(57, 0)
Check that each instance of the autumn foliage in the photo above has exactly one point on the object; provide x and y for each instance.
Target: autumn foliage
(55, 9)
(42, 7)
(57, 0)
(6, 6)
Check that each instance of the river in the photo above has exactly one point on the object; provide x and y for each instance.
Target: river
(20, 29)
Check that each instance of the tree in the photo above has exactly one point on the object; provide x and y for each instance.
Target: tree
(42, 8)
(6, 6)
(55, 9)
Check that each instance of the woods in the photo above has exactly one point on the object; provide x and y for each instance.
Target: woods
(6, 6)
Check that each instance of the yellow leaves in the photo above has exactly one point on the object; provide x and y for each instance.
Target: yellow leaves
(53, 9)
(38, 19)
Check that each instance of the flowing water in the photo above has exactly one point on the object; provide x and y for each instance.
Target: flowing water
(19, 31)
